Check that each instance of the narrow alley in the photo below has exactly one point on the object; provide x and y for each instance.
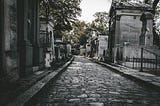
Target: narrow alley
(85, 83)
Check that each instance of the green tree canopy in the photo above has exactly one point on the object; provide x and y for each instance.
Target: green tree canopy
(79, 34)
(100, 23)
(154, 4)
(74, 34)
(63, 12)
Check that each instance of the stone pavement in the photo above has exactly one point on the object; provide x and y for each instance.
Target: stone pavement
(149, 79)
(30, 86)
(85, 83)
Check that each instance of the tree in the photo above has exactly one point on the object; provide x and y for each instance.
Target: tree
(63, 12)
(76, 32)
(100, 23)
(156, 9)
(154, 4)
(131, 0)
(79, 34)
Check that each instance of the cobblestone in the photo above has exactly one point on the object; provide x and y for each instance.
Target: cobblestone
(85, 83)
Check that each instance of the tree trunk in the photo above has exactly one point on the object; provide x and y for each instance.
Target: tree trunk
(154, 5)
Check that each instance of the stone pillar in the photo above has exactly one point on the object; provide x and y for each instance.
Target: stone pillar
(117, 38)
(149, 32)
(8, 39)
(24, 44)
(2, 60)
(147, 29)
(36, 47)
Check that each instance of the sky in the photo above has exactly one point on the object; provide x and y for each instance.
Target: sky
(89, 7)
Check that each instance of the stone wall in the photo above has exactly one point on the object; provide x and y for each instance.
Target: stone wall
(19, 37)
(102, 45)
(135, 51)
(10, 39)
(130, 29)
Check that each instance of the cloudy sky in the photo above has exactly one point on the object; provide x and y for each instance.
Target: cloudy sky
(89, 7)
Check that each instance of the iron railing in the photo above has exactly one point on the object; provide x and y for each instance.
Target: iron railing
(146, 63)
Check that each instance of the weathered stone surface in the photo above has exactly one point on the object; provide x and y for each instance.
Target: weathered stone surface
(96, 104)
(83, 96)
(74, 100)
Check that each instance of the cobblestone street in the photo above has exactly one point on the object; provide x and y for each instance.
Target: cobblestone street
(85, 83)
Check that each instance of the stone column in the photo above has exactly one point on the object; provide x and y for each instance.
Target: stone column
(117, 37)
(36, 47)
(147, 29)
(2, 60)
(149, 32)
(24, 44)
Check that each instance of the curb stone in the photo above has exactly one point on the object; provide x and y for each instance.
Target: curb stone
(22, 99)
